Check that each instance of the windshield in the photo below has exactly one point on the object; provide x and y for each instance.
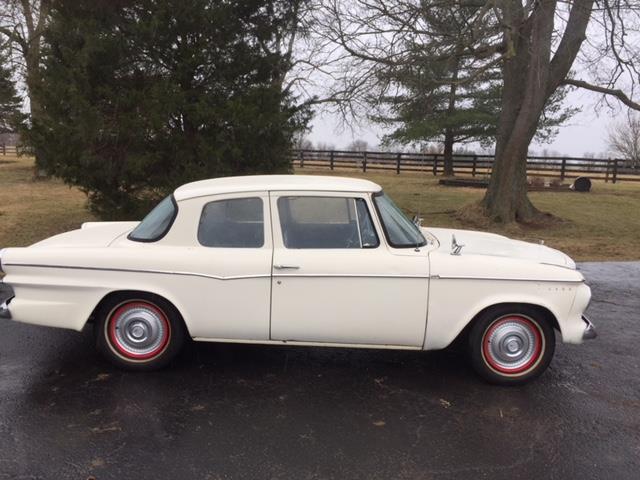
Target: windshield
(399, 230)
(157, 222)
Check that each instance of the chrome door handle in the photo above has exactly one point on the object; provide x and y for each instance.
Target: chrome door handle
(283, 267)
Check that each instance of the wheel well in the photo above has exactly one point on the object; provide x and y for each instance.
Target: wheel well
(543, 311)
(133, 293)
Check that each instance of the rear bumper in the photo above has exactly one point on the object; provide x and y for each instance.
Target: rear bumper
(6, 294)
(589, 329)
(4, 310)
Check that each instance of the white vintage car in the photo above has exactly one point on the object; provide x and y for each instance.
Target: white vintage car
(299, 260)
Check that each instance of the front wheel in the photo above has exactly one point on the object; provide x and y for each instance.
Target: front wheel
(139, 332)
(511, 345)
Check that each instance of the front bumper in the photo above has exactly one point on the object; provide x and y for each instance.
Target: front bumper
(589, 330)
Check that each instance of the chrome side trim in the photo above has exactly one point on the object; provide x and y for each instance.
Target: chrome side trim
(308, 344)
(267, 275)
(567, 267)
(237, 277)
(503, 279)
(347, 275)
(130, 270)
(589, 332)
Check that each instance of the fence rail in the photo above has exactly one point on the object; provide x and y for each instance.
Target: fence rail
(8, 149)
(613, 169)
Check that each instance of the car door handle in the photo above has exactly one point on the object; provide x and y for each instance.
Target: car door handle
(284, 267)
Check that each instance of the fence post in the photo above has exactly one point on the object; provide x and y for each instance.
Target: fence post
(606, 172)
(435, 165)
(562, 169)
(398, 164)
(301, 158)
(615, 170)
(331, 159)
(4, 149)
(364, 161)
(473, 168)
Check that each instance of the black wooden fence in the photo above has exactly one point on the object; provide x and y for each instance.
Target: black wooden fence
(8, 149)
(612, 169)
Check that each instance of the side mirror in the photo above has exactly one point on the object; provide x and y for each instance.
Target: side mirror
(417, 221)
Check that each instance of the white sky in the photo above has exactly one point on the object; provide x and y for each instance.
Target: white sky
(586, 132)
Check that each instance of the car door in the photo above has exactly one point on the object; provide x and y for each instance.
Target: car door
(335, 280)
(224, 280)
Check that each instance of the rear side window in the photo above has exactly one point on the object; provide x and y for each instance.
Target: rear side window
(326, 222)
(233, 223)
(157, 223)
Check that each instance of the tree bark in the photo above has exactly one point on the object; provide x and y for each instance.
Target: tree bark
(530, 77)
(32, 80)
(448, 153)
(449, 134)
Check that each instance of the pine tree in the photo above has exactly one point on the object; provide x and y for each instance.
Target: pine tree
(431, 97)
(140, 97)
(10, 115)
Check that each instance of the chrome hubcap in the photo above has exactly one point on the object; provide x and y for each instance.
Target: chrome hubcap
(139, 330)
(512, 344)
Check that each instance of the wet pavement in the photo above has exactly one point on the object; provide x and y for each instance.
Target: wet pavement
(263, 412)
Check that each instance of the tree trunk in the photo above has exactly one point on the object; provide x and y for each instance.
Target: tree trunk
(524, 71)
(448, 153)
(449, 137)
(32, 79)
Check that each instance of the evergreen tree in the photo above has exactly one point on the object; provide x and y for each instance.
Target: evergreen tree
(142, 96)
(10, 115)
(431, 97)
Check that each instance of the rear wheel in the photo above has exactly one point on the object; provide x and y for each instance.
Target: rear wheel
(511, 345)
(139, 332)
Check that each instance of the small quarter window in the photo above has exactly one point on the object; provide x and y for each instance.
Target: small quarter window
(233, 223)
(326, 222)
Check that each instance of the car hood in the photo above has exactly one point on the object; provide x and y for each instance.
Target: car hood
(491, 244)
(90, 234)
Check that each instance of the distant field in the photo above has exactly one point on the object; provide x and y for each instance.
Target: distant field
(601, 225)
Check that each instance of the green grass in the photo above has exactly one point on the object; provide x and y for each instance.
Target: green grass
(601, 225)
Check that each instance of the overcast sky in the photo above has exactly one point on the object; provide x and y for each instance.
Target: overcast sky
(586, 132)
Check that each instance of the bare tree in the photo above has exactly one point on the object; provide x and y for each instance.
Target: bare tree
(535, 43)
(22, 24)
(358, 145)
(326, 146)
(301, 142)
(624, 140)
(309, 58)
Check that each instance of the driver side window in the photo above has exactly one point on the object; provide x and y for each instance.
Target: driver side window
(326, 222)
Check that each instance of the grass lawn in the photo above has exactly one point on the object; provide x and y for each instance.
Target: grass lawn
(31, 210)
(601, 225)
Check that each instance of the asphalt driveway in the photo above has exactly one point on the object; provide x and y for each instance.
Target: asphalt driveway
(236, 411)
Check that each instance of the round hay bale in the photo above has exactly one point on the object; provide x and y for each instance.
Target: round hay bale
(582, 184)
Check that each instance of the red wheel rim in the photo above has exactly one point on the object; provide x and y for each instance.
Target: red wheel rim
(512, 345)
(138, 330)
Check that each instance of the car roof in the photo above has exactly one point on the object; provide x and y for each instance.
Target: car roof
(262, 183)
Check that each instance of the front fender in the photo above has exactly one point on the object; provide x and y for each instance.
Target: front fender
(454, 303)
